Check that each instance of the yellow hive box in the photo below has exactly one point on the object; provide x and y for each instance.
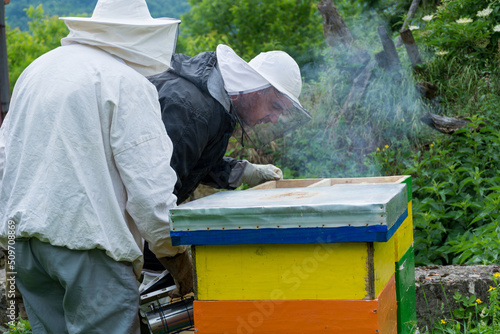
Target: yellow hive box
(323, 271)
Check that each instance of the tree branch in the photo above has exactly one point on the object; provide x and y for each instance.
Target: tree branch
(411, 13)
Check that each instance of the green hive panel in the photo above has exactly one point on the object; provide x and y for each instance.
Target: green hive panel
(405, 293)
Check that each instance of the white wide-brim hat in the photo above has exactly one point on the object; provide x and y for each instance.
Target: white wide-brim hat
(121, 12)
(274, 68)
(126, 29)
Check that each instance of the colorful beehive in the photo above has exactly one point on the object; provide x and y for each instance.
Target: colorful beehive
(302, 256)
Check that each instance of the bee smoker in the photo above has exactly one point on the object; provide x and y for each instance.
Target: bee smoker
(160, 313)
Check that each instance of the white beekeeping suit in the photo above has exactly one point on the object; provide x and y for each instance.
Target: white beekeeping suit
(83, 123)
(85, 168)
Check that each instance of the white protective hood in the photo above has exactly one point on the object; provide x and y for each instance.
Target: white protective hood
(126, 29)
(273, 68)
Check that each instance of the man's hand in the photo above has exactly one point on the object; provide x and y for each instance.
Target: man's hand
(6, 2)
(181, 269)
(256, 174)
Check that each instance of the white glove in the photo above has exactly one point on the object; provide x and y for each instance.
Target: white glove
(256, 174)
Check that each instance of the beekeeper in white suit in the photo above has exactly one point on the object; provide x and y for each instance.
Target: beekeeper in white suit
(85, 171)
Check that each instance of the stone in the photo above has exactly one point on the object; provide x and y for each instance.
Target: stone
(436, 286)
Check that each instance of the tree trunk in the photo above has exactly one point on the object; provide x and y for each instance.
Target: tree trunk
(409, 16)
(4, 68)
(411, 46)
(334, 28)
(337, 34)
(391, 61)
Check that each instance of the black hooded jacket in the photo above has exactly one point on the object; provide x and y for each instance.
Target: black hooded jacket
(198, 125)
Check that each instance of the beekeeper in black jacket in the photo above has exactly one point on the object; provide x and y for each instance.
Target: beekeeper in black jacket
(202, 100)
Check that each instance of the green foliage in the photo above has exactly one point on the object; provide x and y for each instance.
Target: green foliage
(480, 245)
(464, 28)
(236, 150)
(462, 83)
(23, 47)
(21, 327)
(16, 16)
(251, 27)
(455, 186)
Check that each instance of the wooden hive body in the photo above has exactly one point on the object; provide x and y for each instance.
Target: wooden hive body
(303, 256)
